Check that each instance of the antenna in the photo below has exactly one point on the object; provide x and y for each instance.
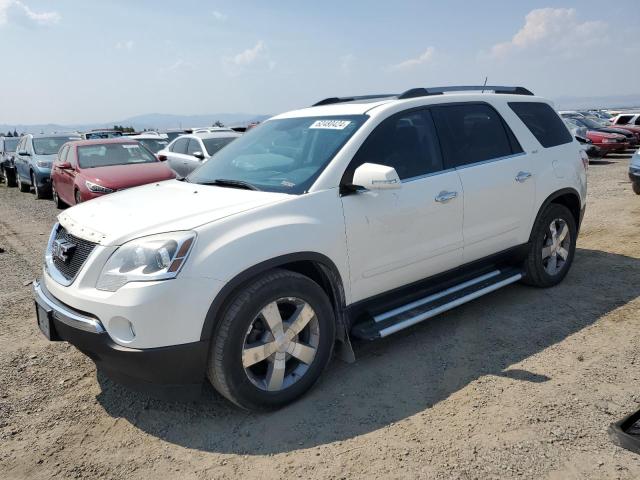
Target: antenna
(485, 83)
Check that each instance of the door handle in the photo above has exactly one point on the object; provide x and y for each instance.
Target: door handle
(522, 177)
(444, 196)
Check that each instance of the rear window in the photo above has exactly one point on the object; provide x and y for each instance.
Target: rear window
(10, 144)
(543, 122)
(109, 154)
(623, 119)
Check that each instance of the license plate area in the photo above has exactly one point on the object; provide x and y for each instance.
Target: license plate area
(45, 322)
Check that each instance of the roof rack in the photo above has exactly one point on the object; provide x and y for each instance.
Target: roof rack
(423, 92)
(331, 100)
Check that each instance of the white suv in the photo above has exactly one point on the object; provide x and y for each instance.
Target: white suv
(354, 218)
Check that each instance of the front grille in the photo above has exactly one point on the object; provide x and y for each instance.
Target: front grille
(76, 258)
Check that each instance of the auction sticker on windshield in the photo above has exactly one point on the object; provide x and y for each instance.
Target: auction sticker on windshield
(330, 124)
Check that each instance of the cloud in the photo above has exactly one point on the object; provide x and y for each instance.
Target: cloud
(15, 11)
(255, 57)
(556, 30)
(424, 58)
(128, 45)
(221, 17)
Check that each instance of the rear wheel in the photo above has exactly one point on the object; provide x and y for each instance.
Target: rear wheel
(636, 187)
(273, 341)
(56, 198)
(9, 177)
(552, 247)
(23, 187)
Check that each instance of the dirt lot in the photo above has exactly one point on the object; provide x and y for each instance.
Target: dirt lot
(519, 384)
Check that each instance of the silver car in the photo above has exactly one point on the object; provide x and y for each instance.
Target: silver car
(188, 152)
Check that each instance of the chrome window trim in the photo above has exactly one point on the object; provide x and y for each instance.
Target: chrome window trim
(64, 314)
(490, 160)
(426, 175)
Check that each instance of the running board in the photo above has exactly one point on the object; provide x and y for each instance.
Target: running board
(387, 323)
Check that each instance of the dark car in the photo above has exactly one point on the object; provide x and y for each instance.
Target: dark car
(7, 167)
(91, 168)
(634, 172)
(590, 124)
(33, 159)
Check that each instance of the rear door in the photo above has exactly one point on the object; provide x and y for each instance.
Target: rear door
(63, 177)
(396, 237)
(22, 168)
(499, 188)
(190, 163)
(177, 155)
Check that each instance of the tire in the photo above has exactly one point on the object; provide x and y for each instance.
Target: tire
(77, 198)
(22, 186)
(550, 256)
(636, 187)
(56, 199)
(9, 178)
(36, 189)
(254, 384)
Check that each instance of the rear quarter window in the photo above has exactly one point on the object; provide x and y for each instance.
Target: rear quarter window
(543, 122)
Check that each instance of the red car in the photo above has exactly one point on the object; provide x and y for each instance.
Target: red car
(88, 169)
(608, 142)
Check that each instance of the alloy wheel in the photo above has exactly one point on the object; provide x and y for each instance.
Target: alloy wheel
(556, 245)
(280, 344)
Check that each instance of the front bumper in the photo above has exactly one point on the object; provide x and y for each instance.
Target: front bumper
(168, 372)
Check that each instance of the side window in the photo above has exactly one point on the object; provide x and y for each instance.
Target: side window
(194, 146)
(71, 156)
(638, 120)
(62, 155)
(543, 122)
(180, 146)
(471, 133)
(623, 119)
(406, 141)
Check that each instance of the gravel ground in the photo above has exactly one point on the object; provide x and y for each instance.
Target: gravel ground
(522, 383)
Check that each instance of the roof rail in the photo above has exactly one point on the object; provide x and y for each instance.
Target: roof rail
(331, 100)
(423, 92)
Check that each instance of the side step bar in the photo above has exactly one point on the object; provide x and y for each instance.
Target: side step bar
(387, 323)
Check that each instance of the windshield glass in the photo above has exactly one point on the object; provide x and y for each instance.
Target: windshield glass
(214, 144)
(99, 135)
(154, 145)
(284, 155)
(50, 145)
(173, 135)
(10, 144)
(107, 155)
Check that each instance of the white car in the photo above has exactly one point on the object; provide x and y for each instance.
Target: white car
(626, 118)
(188, 152)
(357, 217)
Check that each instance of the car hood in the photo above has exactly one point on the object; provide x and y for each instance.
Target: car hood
(619, 131)
(157, 208)
(118, 177)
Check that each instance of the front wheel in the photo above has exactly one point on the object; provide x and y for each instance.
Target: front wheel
(636, 187)
(273, 341)
(23, 187)
(552, 247)
(9, 177)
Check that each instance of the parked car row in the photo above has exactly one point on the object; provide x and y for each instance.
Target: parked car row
(73, 168)
(604, 134)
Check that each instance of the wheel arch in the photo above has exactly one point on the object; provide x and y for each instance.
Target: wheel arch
(569, 197)
(316, 266)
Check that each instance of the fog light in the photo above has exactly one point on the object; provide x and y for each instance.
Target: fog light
(121, 329)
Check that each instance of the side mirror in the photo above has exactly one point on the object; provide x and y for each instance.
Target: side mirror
(162, 158)
(24, 153)
(372, 176)
(198, 155)
(64, 166)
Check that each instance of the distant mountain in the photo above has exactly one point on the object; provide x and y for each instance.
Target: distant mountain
(158, 121)
(610, 101)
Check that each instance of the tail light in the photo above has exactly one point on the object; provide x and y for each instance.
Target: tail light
(585, 159)
(162, 158)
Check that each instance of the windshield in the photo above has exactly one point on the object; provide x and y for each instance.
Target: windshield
(109, 154)
(10, 144)
(214, 144)
(285, 155)
(50, 145)
(154, 145)
(173, 135)
(100, 135)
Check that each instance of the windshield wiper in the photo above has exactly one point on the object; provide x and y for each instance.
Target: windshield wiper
(225, 182)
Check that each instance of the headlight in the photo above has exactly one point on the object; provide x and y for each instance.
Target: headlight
(94, 187)
(156, 257)
(43, 164)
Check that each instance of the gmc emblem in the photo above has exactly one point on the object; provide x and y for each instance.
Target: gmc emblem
(62, 250)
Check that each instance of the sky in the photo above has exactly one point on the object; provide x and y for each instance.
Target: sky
(66, 61)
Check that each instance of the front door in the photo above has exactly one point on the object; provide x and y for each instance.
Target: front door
(395, 237)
